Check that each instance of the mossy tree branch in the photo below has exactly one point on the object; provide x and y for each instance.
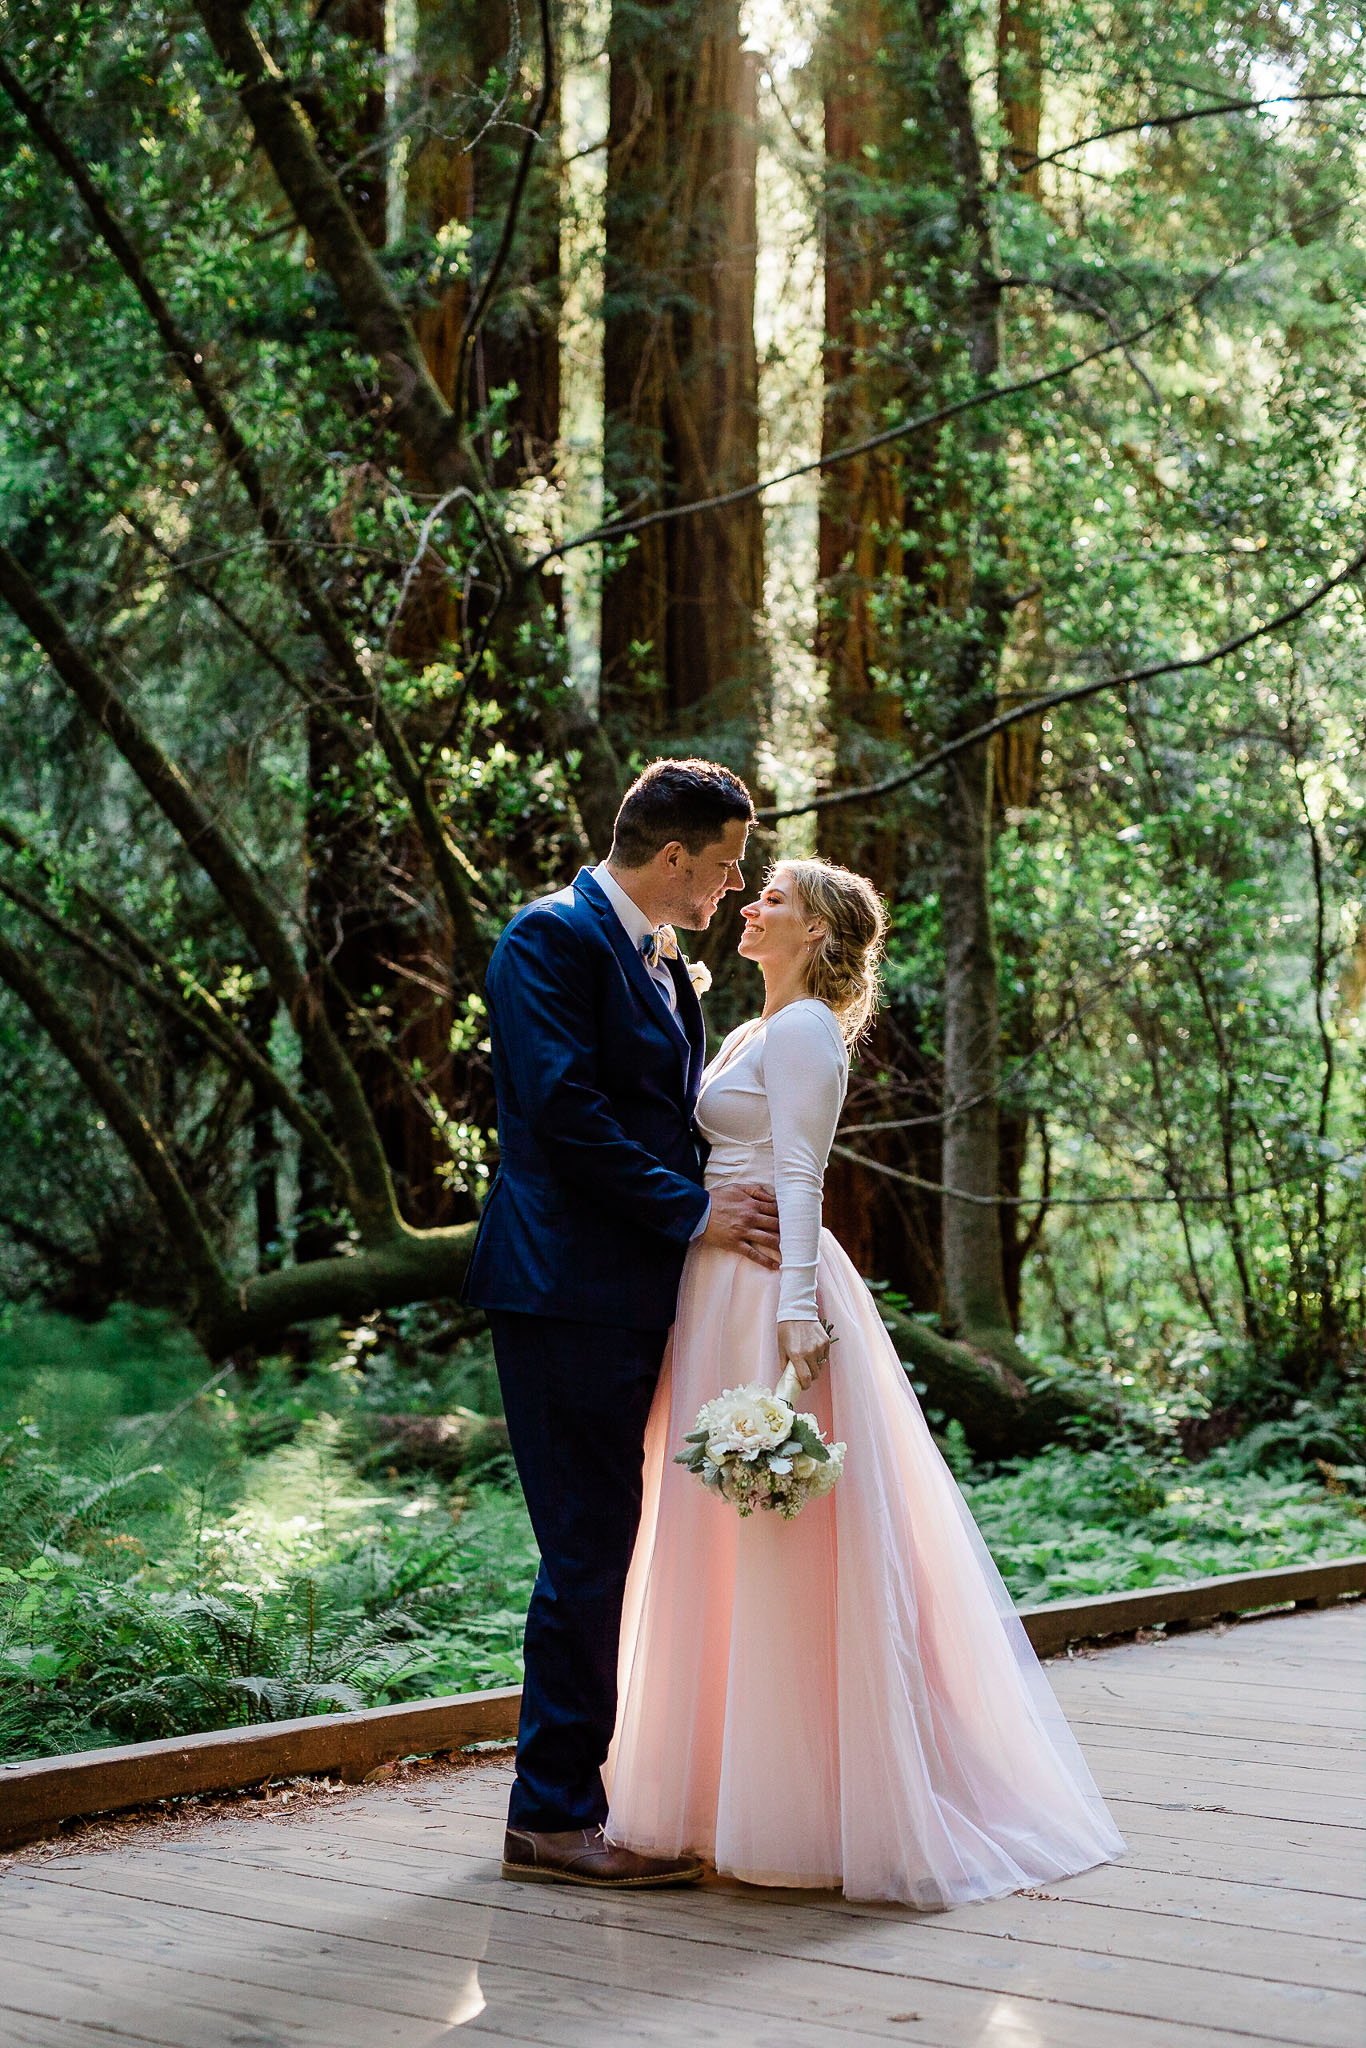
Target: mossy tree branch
(229, 1316)
(286, 551)
(211, 847)
(1003, 1415)
(209, 1023)
(144, 1146)
(418, 411)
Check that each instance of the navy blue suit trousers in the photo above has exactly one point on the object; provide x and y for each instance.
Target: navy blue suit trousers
(577, 1398)
(577, 1264)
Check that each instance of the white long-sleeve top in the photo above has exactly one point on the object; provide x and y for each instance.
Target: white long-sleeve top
(768, 1107)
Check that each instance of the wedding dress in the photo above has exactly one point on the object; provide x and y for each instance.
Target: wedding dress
(846, 1699)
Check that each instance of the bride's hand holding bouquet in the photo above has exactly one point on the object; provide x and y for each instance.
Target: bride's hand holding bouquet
(756, 1450)
(804, 1348)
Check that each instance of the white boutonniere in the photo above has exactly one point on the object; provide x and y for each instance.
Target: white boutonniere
(699, 974)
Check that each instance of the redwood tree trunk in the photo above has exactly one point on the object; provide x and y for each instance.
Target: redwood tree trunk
(911, 554)
(892, 1230)
(1016, 756)
(463, 53)
(680, 643)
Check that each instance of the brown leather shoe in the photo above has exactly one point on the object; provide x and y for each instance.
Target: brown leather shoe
(585, 1856)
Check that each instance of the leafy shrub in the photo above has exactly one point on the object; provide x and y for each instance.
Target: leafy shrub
(1075, 1522)
(298, 1590)
(250, 1554)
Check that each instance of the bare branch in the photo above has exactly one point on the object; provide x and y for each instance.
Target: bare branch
(210, 1024)
(1170, 1199)
(989, 394)
(833, 799)
(144, 1146)
(209, 845)
(450, 873)
(1179, 120)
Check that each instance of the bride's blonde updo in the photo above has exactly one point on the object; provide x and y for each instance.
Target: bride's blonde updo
(844, 965)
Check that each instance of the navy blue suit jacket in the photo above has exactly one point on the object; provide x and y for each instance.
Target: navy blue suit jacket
(599, 1188)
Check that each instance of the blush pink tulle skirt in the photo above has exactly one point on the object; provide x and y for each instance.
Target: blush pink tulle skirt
(847, 1699)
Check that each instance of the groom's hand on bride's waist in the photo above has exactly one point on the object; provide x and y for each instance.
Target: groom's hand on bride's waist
(744, 1218)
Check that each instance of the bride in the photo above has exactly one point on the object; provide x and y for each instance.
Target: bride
(846, 1699)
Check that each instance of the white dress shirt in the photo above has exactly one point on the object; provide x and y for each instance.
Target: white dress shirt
(638, 927)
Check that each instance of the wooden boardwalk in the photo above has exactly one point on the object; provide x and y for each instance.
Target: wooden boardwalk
(1234, 1762)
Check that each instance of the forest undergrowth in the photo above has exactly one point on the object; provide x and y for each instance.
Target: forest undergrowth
(348, 1531)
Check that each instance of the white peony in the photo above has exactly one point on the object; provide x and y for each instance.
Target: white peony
(744, 1421)
(699, 974)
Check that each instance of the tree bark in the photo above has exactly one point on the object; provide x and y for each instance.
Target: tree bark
(463, 52)
(1019, 89)
(912, 572)
(208, 844)
(1016, 754)
(861, 555)
(419, 412)
(974, 1269)
(681, 647)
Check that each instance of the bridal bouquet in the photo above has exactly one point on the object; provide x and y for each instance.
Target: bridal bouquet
(753, 1448)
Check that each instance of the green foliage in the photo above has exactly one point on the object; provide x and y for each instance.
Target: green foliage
(232, 1579)
(1071, 1522)
(235, 1572)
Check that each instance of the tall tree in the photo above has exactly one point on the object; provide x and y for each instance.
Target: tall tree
(681, 646)
(911, 555)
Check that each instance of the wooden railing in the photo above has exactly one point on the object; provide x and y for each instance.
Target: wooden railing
(37, 1797)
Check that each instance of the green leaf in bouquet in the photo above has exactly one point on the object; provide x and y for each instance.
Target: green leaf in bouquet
(809, 1439)
(697, 1436)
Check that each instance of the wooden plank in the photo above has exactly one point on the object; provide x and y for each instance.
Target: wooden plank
(33, 1796)
(1210, 1691)
(1125, 1777)
(928, 1947)
(1273, 1862)
(1156, 1660)
(1305, 1649)
(1345, 1782)
(763, 1951)
(1221, 1903)
(1259, 1675)
(1199, 1744)
(1341, 1626)
(1338, 1630)
(1205, 1693)
(1055, 1915)
(1281, 1865)
(417, 1980)
(1300, 1853)
(1052, 1626)
(173, 2008)
(1100, 1716)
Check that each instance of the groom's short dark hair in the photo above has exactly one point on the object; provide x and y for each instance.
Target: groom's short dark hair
(691, 801)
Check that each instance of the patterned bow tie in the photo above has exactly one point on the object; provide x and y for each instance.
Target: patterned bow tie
(658, 945)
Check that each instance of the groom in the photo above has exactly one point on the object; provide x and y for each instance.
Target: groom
(598, 1050)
